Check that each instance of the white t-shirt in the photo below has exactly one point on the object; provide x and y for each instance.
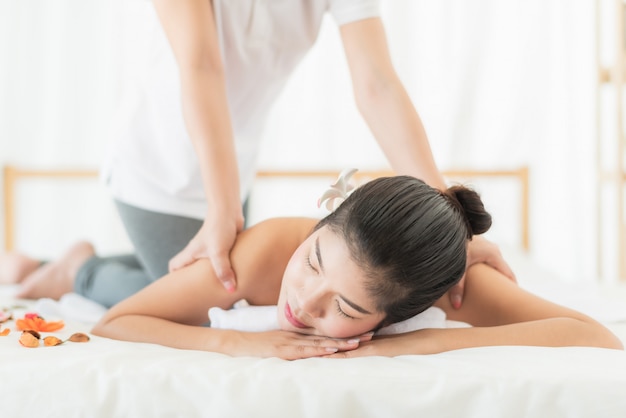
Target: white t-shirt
(153, 163)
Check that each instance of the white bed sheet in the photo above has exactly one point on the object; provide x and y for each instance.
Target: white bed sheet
(107, 378)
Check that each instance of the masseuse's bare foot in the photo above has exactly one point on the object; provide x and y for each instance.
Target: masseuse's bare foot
(14, 267)
(54, 279)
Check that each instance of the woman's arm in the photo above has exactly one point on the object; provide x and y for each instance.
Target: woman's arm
(170, 311)
(190, 29)
(501, 314)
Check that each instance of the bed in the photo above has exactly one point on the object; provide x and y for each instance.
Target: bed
(108, 378)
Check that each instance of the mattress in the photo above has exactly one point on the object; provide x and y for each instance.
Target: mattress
(108, 378)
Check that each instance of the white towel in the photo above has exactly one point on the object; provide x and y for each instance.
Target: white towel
(242, 317)
(71, 306)
(248, 318)
(263, 318)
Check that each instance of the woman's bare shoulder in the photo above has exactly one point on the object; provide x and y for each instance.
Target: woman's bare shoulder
(261, 254)
(285, 227)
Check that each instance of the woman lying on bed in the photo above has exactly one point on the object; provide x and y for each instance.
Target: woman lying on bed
(391, 250)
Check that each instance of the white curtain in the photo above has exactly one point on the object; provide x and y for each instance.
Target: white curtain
(498, 84)
(58, 89)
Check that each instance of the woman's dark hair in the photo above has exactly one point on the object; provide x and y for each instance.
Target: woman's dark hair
(410, 239)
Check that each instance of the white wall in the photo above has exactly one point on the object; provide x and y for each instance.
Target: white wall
(498, 84)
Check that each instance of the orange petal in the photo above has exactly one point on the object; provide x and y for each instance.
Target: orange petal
(51, 326)
(38, 324)
(25, 324)
(21, 324)
(31, 323)
(4, 332)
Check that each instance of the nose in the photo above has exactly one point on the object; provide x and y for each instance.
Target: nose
(312, 303)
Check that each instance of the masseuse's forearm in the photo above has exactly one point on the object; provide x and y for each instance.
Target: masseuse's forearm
(384, 102)
(207, 117)
(552, 332)
(394, 121)
(191, 32)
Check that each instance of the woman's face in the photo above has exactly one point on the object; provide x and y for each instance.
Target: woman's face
(323, 291)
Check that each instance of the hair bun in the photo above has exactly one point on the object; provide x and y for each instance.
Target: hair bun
(477, 218)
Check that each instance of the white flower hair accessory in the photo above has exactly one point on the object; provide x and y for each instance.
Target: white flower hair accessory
(338, 191)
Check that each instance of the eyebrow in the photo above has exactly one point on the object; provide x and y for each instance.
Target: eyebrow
(348, 301)
(355, 306)
(318, 253)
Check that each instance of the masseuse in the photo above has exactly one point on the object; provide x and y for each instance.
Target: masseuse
(193, 117)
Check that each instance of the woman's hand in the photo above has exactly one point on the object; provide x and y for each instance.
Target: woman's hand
(214, 241)
(388, 346)
(480, 251)
(288, 345)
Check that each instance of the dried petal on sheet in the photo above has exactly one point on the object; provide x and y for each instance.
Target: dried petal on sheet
(52, 341)
(79, 337)
(37, 323)
(30, 338)
(5, 332)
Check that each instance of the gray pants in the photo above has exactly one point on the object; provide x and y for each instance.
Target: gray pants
(156, 237)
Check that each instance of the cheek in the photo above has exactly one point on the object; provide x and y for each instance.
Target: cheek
(296, 270)
(291, 278)
(293, 273)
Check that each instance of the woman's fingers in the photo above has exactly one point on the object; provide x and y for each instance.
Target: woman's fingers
(292, 346)
(360, 351)
(364, 337)
(302, 351)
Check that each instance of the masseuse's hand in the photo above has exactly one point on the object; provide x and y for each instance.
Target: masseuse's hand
(214, 241)
(288, 345)
(481, 251)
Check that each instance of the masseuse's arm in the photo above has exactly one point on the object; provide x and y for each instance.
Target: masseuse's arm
(384, 103)
(190, 28)
(501, 314)
(395, 123)
(171, 310)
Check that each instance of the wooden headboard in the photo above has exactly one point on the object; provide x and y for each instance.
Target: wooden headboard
(12, 175)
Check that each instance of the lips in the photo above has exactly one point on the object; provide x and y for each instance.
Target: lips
(292, 320)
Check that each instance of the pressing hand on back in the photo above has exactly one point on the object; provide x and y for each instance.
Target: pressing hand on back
(214, 241)
(481, 251)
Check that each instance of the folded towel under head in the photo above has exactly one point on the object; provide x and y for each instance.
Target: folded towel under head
(244, 317)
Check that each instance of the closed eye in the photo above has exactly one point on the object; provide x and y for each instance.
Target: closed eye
(341, 312)
(307, 261)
